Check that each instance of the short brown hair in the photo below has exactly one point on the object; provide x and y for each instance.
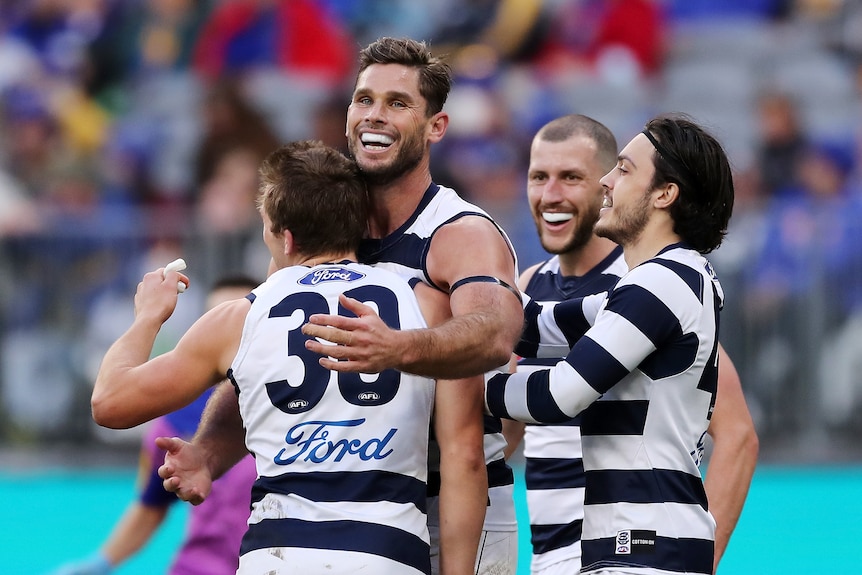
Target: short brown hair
(566, 127)
(317, 193)
(435, 75)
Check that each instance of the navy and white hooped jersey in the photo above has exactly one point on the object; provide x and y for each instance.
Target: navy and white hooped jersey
(643, 378)
(341, 457)
(553, 470)
(404, 252)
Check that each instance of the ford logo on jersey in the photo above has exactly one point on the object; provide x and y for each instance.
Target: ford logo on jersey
(311, 441)
(333, 274)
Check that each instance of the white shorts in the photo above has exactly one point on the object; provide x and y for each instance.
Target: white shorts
(300, 561)
(564, 567)
(498, 552)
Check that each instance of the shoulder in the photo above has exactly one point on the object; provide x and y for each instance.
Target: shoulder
(221, 326)
(527, 275)
(233, 309)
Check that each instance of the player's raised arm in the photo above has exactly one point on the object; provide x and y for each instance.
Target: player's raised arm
(130, 388)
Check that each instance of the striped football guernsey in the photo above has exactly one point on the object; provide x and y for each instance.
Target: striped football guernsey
(341, 457)
(554, 470)
(404, 251)
(645, 377)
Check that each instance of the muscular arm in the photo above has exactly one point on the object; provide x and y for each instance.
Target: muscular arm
(131, 389)
(513, 431)
(218, 445)
(486, 322)
(734, 455)
(221, 433)
(459, 430)
(463, 476)
(487, 318)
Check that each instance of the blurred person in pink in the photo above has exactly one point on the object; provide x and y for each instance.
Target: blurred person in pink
(215, 527)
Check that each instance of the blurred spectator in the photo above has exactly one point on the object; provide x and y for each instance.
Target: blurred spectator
(33, 140)
(371, 19)
(18, 61)
(230, 120)
(729, 9)
(811, 234)
(297, 36)
(18, 213)
(805, 279)
(226, 200)
(618, 40)
(510, 28)
(225, 214)
(141, 39)
(329, 121)
(781, 142)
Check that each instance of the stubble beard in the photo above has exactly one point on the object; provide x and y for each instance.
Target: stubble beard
(580, 237)
(576, 241)
(408, 157)
(629, 223)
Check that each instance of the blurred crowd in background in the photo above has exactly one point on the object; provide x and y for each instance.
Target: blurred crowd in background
(131, 131)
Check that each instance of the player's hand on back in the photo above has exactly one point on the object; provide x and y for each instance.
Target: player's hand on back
(364, 343)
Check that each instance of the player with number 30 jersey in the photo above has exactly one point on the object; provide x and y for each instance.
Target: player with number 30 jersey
(341, 488)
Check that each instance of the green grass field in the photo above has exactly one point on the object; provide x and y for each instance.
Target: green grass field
(797, 520)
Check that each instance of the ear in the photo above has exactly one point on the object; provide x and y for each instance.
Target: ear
(666, 196)
(438, 126)
(289, 245)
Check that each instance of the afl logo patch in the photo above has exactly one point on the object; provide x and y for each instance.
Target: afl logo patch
(330, 274)
(635, 542)
(368, 396)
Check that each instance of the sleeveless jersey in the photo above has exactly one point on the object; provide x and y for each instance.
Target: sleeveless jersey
(644, 377)
(404, 251)
(341, 457)
(553, 468)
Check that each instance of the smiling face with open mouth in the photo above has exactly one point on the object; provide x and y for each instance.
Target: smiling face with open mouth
(564, 192)
(387, 125)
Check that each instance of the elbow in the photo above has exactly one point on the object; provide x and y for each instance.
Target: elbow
(500, 355)
(463, 464)
(751, 444)
(741, 441)
(502, 346)
(746, 440)
(106, 414)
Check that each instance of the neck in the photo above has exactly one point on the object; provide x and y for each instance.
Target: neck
(393, 203)
(327, 258)
(579, 262)
(647, 246)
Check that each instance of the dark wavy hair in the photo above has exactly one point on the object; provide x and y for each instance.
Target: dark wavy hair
(435, 75)
(688, 156)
